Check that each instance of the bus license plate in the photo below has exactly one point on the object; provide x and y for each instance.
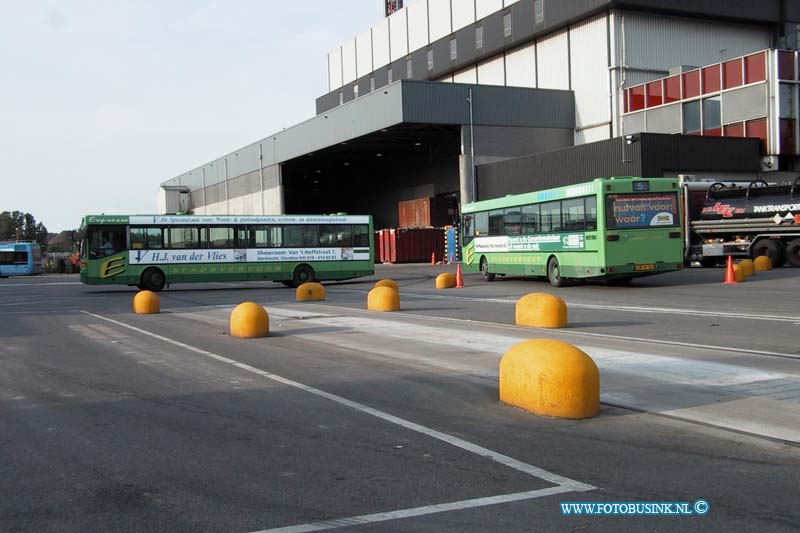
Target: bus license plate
(639, 268)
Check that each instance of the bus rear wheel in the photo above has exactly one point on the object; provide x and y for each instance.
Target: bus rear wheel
(302, 274)
(772, 248)
(554, 273)
(153, 279)
(487, 276)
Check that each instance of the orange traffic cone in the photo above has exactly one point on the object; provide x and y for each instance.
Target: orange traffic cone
(730, 276)
(433, 258)
(459, 278)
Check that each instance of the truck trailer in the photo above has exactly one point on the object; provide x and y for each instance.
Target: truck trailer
(741, 219)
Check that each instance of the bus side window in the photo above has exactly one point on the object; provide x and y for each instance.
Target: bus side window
(220, 237)
(335, 235)
(573, 215)
(481, 224)
(591, 213)
(300, 236)
(183, 237)
(551, 217)
(263, 236)
(496, 222)
(242, 237)
(530, 219)
(360, 236)
(512, 221)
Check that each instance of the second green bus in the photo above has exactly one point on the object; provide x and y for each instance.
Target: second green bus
(614, 229)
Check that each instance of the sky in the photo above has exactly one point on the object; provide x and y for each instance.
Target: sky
(101, 101)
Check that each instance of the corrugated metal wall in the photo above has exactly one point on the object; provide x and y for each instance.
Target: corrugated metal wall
(349, 61)
(439, 19)
(656, 42)
(653, 155)
(521, 67)
(398, 35)
(492, 72)
(427, 102)
(364, 54)
(590, 75)
(417, 25)
(553, 66)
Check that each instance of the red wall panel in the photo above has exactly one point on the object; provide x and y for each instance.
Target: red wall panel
(732, 75)
(711, 79)
(672, 89)
(637, 98)
(755, 67)
(758, 128)
(654, 94)
(691, 84)
(734, 130)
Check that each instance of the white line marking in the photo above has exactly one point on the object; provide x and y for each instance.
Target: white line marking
(444, 437)
(418, 511)
(567, 331)
(15, 284)
(623, 308)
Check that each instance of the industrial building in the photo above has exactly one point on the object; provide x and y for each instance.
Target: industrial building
(473, 99)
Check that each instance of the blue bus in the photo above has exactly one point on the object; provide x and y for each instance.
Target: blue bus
(20, 259)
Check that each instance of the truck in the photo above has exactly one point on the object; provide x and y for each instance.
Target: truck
(741, 219)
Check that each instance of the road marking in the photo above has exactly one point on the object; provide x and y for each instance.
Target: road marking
(497, 457)
(418, 511)
(567, 331)
(622, 308)
(15, 284)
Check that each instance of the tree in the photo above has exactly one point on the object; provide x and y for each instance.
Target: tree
(16, 225)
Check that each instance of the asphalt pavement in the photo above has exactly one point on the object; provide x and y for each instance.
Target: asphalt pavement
(355, 420)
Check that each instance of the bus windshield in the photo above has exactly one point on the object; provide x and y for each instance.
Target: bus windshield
(641, 210)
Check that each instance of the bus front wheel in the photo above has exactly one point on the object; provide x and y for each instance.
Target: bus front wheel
(554, 273)
(488, 276)
(302, 274)
(153, 279)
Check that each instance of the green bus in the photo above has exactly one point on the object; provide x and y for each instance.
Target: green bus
(561, 234)
(152, 251)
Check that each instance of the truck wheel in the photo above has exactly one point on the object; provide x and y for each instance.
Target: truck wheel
(793, 252)
(554, 273)
(772, 248)
(153, 279)
(487, 276)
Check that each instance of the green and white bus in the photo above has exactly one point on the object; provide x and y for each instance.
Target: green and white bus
(152, 251)
(561, 234)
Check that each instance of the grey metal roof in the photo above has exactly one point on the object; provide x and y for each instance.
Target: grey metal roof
(405, 101)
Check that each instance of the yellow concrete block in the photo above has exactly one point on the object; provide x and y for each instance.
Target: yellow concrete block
(387, 283)
(249, 320)
(383, 299)
(310, 292)
(445, 281)
(737, 273)
(762, 263)
(541, 310)
(550, 377)
(748, 269)
(146, 303)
